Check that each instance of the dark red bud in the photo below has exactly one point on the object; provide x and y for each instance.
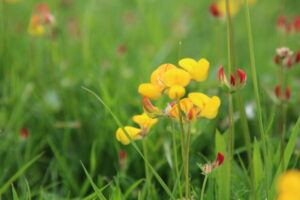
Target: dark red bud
(277, 91)
(232, 80)
(297, 57)
(220, 159)
(24, 132)
(122, 154)
(221, 74)
(214, 11)
(296, 24)
(242, 76)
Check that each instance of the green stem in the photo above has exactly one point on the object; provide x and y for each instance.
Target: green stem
(146, 168)
(230, 100)
(256, 93)
(184, 151)
(176, 160)
(203, 187)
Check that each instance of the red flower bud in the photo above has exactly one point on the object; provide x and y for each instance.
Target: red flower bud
(214, 11)
(232, 80)
(122, 158)
(297, 57)
(24, 132)
(277, 91)
(281, 20)
(220, 159)
(289, 62)
(242, 76)
(287, 93)
(296, 24)
(221, 75)
(147, 105)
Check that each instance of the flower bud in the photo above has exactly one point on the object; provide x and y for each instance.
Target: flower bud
(214, 11)
(220, 159)
(221, 75)
(277, 91)
(242, 76)
(232, 80)
(289, 62)
(24, 132)
(296, 24)
(151, 110)
(297, 57)
(276, 59)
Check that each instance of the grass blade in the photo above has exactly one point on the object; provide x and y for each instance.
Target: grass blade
(19, 173)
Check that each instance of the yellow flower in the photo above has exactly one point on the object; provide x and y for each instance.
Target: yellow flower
(157, 75)
(176, 79)
(132, 132)
(150, 90)
(35, 28)
(208, 107)
(198, 70)
(144, 121)
(187, 108)
(287, 196)
(289, 185)
(234, 7)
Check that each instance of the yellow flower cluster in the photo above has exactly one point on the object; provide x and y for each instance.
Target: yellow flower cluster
(289, 186)
(196, 105)
(35, 27)
(172, 80)
(145, 123)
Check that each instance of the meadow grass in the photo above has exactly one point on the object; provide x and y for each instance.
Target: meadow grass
(74, 87)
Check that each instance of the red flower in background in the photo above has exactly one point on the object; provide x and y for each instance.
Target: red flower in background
(24, 132)
(214, 11)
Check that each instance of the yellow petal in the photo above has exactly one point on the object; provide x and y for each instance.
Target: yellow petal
(185, 104)
(234, 7)
(150, 90)
(289, 182)
(37, 30)
(211, 109)
(157, 75)
(144, 121)
(132, 132)
(176, 77)
(288, 196)
(176, 92)
(199, 99)
(208, 107)
(198, 70)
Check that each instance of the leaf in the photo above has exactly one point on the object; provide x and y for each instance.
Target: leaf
(132, 187)
(19, 173)
(15, 195)
(96, 189)
(222, 175)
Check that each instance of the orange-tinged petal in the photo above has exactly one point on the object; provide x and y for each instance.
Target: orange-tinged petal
(186, 106)
(144, 121)
(199, 99)
(157, 75)
(132, 132)
(176, 77)
(150, 90)
(176, 92)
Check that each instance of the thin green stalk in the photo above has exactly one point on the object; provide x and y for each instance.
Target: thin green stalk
(230, 100)
(184, 151)
(203, 187)
(256, 93)
(176, 160)
(146, 168)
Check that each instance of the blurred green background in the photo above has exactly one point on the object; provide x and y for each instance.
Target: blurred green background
(111, 46)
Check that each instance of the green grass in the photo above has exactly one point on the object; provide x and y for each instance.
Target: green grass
(41, 80)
